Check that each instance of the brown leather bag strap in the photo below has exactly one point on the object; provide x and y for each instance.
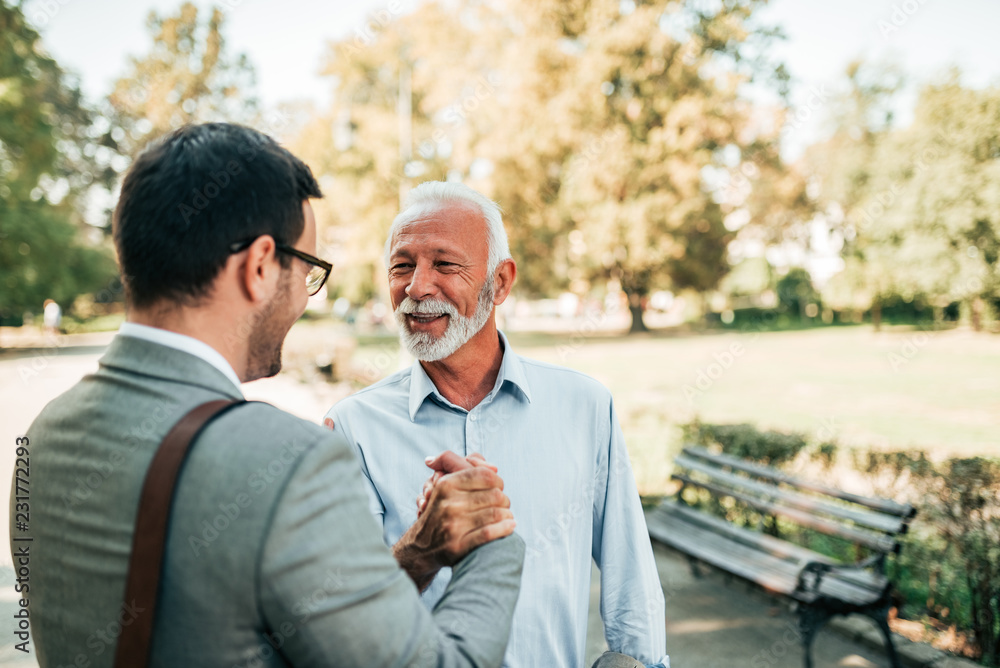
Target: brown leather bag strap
(149, 541)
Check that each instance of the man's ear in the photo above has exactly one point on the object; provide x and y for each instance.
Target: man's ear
(260, 272)
(503, 281)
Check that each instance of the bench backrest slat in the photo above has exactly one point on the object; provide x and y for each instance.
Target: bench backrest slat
(875, 541)
(881, 505)
(888, 523)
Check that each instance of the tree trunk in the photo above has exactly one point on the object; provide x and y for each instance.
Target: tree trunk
(877, 314)
(636, 308)
(976, 314)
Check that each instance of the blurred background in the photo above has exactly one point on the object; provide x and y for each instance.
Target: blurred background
(769, 226)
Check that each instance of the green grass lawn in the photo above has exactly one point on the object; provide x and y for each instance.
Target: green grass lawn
(897, 389)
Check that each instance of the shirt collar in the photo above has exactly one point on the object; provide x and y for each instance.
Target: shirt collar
(184, 343)
(511, 369)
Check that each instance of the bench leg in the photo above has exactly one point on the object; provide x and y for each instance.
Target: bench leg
(881, 617)
(811, 620)
(695, 570)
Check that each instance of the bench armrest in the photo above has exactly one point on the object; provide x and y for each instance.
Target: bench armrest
(812, 574)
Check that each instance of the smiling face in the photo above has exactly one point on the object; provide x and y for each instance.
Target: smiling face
(439, 283)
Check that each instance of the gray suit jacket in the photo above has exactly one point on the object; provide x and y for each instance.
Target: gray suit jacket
(272, 557)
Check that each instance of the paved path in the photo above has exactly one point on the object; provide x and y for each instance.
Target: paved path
(709, 624)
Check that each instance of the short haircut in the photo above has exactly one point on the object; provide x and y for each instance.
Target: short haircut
(194, 193)
(431, 195)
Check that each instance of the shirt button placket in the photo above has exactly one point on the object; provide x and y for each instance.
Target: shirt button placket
(471, 442)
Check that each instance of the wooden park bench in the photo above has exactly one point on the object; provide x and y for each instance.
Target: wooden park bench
(819, 586)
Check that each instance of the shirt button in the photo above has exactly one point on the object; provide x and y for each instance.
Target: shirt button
(472, 417)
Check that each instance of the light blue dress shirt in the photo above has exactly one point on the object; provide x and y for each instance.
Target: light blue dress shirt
(555, 437)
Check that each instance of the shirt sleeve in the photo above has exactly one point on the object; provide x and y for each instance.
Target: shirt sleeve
(342, 427)
(330, 592)
(631, 595)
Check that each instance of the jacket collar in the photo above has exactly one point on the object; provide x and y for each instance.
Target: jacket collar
(146, 358)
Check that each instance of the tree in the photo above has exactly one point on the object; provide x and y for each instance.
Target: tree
(46, 134)
(187, 77)
(847, 169)
(919, 202)
(607, 128)
(660, 88)
(592, 124)
(943, 229)
(404, 92)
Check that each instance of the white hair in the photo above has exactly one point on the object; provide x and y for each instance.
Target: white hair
(431, 195)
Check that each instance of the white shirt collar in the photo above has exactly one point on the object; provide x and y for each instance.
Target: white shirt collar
(184, 343)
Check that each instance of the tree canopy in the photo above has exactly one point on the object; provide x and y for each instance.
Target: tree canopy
(47, 148)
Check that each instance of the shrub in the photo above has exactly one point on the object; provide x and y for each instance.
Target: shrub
(949, 568)
(746, 441)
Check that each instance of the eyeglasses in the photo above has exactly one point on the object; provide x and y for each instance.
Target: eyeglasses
(319, 270)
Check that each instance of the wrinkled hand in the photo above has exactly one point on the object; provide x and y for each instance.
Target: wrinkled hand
(447, 462)
(464, 508)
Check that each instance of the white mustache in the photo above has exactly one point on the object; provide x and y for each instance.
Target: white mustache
(426, 307)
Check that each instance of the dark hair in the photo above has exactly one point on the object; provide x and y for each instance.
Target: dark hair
(192, 194)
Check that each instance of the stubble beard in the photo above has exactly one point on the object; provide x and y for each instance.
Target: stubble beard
(268, 337)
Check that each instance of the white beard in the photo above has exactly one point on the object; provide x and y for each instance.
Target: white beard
(425, 346)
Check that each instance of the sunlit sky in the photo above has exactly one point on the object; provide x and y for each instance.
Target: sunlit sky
(285, 41)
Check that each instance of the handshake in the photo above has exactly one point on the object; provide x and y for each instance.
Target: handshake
(461, 506)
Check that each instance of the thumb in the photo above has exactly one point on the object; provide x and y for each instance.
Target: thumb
(328, 423)
(477, 459)
(447, 462)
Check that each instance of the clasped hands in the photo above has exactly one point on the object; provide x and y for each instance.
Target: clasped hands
(461, 506)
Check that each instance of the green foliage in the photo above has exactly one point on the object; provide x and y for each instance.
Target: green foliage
(967, 512)
(591, 124)
(186, 77)
(45, 131)
(772, 448)
(748, 278)
(919, 204)
(41, 259)
(951, 560)
(949, 567)
(796, 291)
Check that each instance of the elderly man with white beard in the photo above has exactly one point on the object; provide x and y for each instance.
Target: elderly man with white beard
(550, 432)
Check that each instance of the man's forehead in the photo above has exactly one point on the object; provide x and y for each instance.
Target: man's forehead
(447, 223)
(458, 212)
